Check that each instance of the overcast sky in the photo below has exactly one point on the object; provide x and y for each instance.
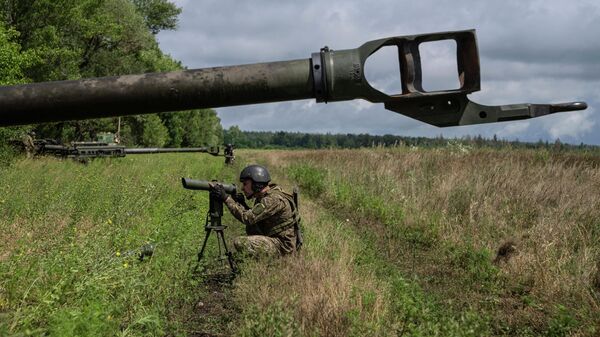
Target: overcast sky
(530, 52)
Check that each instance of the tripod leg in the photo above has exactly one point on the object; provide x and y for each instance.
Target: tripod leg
(227, 252)
(201, 252)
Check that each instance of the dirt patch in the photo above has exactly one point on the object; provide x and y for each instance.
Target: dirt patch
(214, 311)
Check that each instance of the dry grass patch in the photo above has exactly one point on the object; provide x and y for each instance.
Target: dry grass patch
(321, 288)
(546, 202)
(321, 293)
(33, 236)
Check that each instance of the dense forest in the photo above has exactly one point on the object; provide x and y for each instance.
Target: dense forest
(49, 40)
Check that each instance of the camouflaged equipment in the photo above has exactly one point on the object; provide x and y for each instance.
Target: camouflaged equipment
(297, 225)
(205, 185)
(328, 76)
(295, 216)
(228, 153)
(257, 246)
(88, 150)
(272, 215)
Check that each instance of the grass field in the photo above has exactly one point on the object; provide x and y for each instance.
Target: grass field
(401, 241)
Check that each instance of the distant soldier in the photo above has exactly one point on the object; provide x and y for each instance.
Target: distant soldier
(229, 157)
(28, 143)
(270, 223)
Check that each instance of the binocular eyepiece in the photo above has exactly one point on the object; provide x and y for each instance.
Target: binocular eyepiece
(205, 185)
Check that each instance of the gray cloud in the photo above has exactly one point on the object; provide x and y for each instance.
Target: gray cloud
(536, 51)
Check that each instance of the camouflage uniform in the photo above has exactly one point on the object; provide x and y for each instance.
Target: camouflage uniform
(229, 157)
(269, 224)
(228, 150)
(28, 145)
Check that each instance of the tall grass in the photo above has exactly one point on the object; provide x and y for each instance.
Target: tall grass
(443, 215)
(341, 284)
(70, 237)
(401, 241)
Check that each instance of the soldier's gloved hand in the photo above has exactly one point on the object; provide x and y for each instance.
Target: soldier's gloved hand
(218, 191)
(240, 199)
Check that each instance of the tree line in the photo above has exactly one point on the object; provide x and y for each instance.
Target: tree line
(281, 139)
(48, 40)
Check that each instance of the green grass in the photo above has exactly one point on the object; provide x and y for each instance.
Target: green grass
(70, 267)
(397, 242)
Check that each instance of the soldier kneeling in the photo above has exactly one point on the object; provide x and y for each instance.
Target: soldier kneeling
(271, 222)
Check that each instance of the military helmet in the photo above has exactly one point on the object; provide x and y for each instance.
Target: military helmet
(256, 173)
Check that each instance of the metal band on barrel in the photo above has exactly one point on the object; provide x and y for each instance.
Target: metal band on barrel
(319, 77)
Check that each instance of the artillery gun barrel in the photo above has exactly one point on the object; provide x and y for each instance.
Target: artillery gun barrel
(53, 147)
(155, 92)
(327, 76)
(165, 150)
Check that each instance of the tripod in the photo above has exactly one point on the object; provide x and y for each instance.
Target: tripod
(213, 223)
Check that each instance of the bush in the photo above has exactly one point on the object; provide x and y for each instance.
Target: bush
(310, 178)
